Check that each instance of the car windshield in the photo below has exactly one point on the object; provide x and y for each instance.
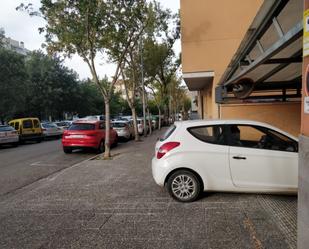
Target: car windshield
(119, 125)
(6, 128)
(81, 127)
(168, 132)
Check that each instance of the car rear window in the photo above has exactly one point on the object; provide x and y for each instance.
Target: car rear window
(119, 125)
(168, 132)
(6, 128)
(210, 134)
(82, 127)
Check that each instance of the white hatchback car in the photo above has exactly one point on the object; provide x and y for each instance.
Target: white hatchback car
(225, 155)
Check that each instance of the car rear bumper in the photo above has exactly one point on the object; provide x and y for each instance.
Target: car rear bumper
(123, 134)
(159, 171)
(79, 144)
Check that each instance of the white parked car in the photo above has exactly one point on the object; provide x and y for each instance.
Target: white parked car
(8, 135)
(225, 155)
(51, 130)
(124, 129)
(140, 126)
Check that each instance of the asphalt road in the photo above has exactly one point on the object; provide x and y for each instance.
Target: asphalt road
(31, 162)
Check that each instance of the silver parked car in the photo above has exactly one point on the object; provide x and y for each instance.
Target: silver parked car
(64, 125)
(124, 129)
(51, 130)
(8, 135)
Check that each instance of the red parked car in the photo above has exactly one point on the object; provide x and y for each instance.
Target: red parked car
(87, 134)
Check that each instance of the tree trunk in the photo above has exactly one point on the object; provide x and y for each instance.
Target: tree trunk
(149, 122)
(136, 135)
(159, 126)
(107, 152)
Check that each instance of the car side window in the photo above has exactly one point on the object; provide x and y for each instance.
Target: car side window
(213, 134)
(250, 136)
(278, 141)
(27, 124)
(36, 123)
(16, 126)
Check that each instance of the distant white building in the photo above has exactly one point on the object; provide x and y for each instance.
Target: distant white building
(18, 47)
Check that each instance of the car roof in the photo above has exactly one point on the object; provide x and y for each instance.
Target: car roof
(21, 119)
(190, 123)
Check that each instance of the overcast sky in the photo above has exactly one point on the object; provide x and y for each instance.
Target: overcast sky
(21, 27)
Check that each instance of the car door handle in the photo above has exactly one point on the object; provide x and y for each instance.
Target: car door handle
(239, 157)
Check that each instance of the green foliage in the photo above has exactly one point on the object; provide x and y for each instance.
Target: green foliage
(1, 37)
(39, 85)
(13, 80)
(52, 87)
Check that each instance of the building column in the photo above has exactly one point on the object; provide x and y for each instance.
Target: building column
(303, 179)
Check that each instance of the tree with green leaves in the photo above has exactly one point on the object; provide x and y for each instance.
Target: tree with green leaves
(160, 63)
(2, 36)
(92, 27)
(157, 24)
(52, 88)
(13, 81)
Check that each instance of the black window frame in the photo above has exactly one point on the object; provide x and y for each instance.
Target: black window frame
(261, 129)
(225, 142)
(36, 123)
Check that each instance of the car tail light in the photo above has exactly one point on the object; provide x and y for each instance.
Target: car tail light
(166, 148)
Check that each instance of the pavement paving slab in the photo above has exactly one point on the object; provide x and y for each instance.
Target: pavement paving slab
(116, 204)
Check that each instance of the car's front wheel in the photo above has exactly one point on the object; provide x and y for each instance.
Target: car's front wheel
(184, 186)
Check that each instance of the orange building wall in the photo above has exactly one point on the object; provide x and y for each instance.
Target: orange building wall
(211, 32)
(286, 116)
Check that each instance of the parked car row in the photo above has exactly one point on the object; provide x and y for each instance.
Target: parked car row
(87, 132)
(28, 129)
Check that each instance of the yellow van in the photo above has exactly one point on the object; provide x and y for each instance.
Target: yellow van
(28, 129)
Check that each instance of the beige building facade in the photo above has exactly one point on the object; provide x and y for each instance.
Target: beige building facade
(212, 34)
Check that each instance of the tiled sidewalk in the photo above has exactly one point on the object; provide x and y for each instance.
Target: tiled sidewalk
(116, 204)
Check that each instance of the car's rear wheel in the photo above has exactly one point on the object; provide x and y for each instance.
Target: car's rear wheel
(67, 150)
(15, 144)
(184, 186)
(101, 147)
